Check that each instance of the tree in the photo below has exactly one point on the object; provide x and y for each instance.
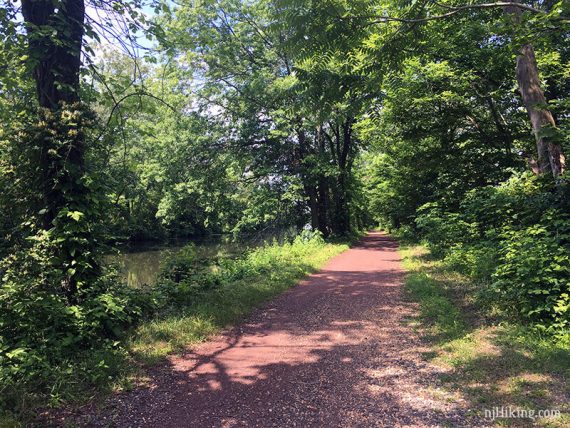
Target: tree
(55, 38)
(65, 201)
(291, 115)
(344, 23)
(551, 158)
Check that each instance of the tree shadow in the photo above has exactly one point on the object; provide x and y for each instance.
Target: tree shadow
(329, 365)
(333, 351)
(502, 372)
(489, 367)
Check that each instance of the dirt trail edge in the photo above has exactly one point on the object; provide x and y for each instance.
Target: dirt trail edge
(334, 351)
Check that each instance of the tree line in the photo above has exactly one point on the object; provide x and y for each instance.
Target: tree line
(125, 120)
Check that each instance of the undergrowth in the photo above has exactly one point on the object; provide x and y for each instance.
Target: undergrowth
(193, 299)
(489, 361)
(233, 288)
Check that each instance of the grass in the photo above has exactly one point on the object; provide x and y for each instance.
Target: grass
(489, 364)
(241, 285)
(268, 272)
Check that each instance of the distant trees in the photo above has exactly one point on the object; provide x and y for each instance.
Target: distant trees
(294, 117)
(254, 116)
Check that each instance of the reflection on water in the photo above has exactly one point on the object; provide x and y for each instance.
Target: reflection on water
(140, 264)
(141, 268)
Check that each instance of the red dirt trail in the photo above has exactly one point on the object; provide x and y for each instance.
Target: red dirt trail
(334, 351)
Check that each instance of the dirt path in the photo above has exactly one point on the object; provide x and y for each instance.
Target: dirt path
(332, 352)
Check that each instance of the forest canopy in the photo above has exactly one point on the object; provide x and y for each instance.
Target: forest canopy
(127, 121)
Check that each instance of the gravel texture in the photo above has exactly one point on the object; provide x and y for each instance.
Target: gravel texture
(334, 351)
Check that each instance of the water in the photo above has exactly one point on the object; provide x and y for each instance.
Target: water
(140, 264)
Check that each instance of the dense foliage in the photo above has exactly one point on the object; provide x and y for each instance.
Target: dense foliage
(452, 147)
(132, 120)
(56, 351)
(513, 239)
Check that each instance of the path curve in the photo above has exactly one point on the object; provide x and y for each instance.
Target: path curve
(334, 351)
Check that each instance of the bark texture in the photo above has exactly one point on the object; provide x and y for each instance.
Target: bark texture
(550, 156)
(55, 36)
(55, 51)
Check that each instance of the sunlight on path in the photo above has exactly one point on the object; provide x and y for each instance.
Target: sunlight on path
(333, 351)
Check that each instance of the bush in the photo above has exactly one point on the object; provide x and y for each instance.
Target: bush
(478, 261)
(533, 276)
(442, 230)
(47, 343)
(515, 240)
(185, 277)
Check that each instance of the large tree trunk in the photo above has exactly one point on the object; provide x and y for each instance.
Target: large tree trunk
(56, 59)
(550, 156)
(56, 54)
(55, 36)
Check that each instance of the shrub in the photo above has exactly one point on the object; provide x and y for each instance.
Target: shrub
(185, 277)
(478, 261)
(514, 239)
(533, 275)
(442, 230)
(45, 340)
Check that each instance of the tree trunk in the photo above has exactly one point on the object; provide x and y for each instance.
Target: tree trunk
(322, 207)
(55, 36)
(344, 144)
(56, 57)
(322, 187)
(550, 156)
(308, 185)
(313, 206)
(341, 215)
(56, 54)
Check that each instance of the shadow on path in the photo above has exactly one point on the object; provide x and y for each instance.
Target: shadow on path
(333, 351)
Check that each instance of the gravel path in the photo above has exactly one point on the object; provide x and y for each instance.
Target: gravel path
(334, 351)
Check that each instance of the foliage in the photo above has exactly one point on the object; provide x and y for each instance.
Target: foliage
(253, 116)
(534, 271)
(436, 138)
(44, 339)
(508, 363)
(193, 305)
(514, 238)
(186, 277)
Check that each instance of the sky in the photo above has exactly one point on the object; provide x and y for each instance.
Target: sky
(111, 29)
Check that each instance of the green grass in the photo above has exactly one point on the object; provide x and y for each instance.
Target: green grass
(242, 284)
(489, 364)
(269, 271)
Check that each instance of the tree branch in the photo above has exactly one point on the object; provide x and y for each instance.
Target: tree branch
(453, 11)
